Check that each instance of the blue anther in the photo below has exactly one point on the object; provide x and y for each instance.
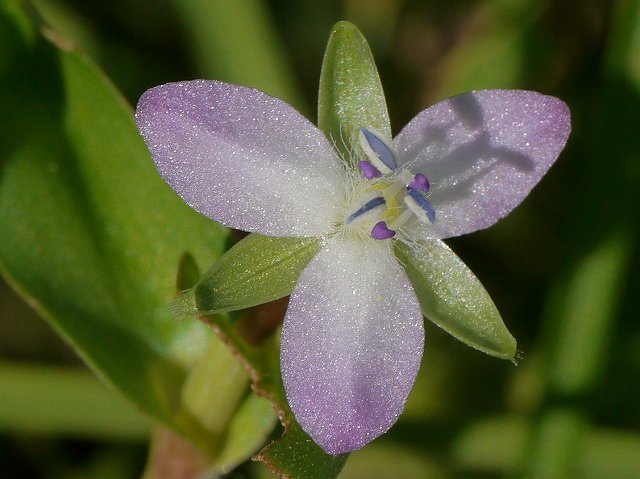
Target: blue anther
(420, 206)
(368, 206)
(380, 149)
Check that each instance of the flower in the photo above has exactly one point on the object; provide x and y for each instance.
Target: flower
(353, 334)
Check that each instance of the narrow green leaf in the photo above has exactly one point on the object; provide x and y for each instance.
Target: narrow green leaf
(237, 42)
(492, 52)
(258, 269)
(350, 95)
(217, 370)
(91, 235)
(557, 448)
(64, 401)
(622, 54)
(216, 394)
(454, 299)
(583, 315)
(248, 431)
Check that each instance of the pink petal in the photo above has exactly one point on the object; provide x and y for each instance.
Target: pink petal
(482, 152)
(352, 342)
(243, 158)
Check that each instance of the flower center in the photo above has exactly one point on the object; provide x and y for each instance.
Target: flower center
(393, 199)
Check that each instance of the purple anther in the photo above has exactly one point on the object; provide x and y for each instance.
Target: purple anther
(380, 231)
(420, 182)
(368, 170)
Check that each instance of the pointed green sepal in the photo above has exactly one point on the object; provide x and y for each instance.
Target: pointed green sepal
(453, 298)
(350, 95)
(256, 270)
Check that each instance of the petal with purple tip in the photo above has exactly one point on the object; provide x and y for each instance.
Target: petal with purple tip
(241, 157)
(483, 152)
(352, 341)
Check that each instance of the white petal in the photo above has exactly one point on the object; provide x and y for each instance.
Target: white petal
(352, 342)
(482, 152)
(243, 158)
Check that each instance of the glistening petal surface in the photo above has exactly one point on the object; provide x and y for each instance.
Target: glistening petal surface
(352, 341)
(483, 152)
(241, 157)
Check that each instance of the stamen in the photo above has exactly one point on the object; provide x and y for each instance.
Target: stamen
(368, 170)
(368, 206)
(378, 152)
(380, 231)
(419, 205)
(420, 182)
(401, 219)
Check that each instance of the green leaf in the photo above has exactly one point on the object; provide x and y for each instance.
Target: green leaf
(583, 313)
(492, 52)
(258, 269)
(237, 42)
(91, 236)
(56, 400)
(454, 299)
(558, 444)
(350, 95)
(247, 432)
(297, 456)
(216, 394)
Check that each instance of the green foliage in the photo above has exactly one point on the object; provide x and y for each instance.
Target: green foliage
(258, 269)
(235, 42)
(454, 299)
(49, 400)
(93, 237)
(350, 95)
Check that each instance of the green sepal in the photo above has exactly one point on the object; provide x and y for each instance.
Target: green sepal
(258, 269)
(453, 298)
(350, 95)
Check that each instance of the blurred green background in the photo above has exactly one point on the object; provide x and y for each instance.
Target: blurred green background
(560, 268)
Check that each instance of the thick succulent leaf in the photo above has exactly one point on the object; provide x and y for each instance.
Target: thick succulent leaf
(258, 269)
(483, 152)
(351, 95)
(91, 235)
(352, 342)
(241, 157)
(454, 299)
